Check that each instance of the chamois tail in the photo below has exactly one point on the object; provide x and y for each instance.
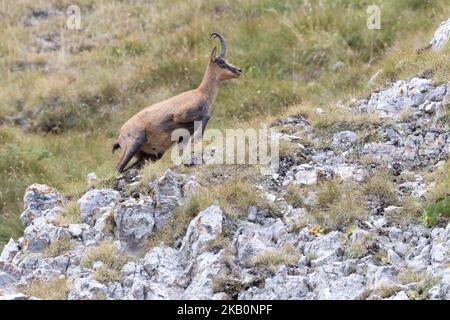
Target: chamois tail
(115, 147)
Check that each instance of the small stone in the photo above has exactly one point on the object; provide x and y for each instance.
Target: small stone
(395, 234)
(400, 296)
(394, 258)
(439, 253)
(344, 140)
(306, 175)
(77, 229)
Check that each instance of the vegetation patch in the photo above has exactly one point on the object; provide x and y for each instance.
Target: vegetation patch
(58, 247)
(111, 258)
(52, 289)
(380, 188)
(433, 212)
(288, 255)
(338, 205)
(70, 214)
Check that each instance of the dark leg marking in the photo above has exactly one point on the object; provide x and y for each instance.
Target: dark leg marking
(130, 151)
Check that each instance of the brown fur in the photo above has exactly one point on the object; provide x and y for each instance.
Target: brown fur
(147, 135)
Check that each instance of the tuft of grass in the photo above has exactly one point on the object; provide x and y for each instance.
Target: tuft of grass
(53, 289)
(113, 260)
(230, 285)
(328, 192)
(106, 274)
(58, 247)
(386, 291)
(359, 248)
(182, 216)
(338, 205)
(293, 195)
(408, 213)
(237, 195)
(286, 148)
(438, 199)
(419, 283)
(408, 276)
(288, 255)
(381, 188)
(70, 215)
(433, 212)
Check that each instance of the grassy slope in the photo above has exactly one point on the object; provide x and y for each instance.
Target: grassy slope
(130, 54)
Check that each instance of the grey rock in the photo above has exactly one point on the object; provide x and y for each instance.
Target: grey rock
(40, 201)
(76, 229)
(383, 277)
(441, 36)
(40, 233)
(344, 140)
(6, 280)
(206, 226)
(92, 201)
(166, 273)
(306, 175)
(134, 220)
(114, 291)
(394, 258)
(401, 295)
(87, 289)
(9, 251)
(204, 269)
(395, 234)
(255, 238)
(439, 252)
(327, 248)
(166, 194)
(280, 287)
(351, 287)
(16, 296)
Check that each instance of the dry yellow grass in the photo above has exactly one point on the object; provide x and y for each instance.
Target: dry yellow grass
(288, 254)
(113, 260)
(53, 289)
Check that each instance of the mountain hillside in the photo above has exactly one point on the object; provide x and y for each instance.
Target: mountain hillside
(358, 208)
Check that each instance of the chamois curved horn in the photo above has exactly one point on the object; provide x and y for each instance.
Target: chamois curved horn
(223, 45)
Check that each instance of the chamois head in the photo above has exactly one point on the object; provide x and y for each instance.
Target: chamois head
(224, 69)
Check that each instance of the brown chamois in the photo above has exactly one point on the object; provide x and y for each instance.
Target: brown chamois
(147, 135)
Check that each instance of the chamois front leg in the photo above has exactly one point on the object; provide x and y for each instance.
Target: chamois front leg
(130, 151)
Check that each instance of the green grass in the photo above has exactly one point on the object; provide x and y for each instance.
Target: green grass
(438, 199)
(129, 55)
(434, 211)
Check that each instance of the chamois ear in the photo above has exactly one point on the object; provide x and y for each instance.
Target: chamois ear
(213, 54)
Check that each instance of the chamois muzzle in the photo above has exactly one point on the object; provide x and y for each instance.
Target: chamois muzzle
(223, 45)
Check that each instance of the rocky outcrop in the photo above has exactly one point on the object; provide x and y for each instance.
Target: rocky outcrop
(441, 36)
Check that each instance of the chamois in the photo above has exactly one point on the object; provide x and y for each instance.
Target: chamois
(147, 135)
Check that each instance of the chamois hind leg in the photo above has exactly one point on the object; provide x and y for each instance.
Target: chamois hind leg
(129, 152)
(140, 160)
